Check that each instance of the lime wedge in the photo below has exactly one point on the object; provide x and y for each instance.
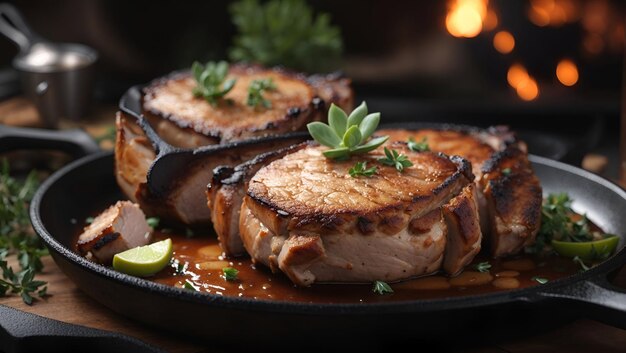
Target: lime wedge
(145, 260)
(591, 250)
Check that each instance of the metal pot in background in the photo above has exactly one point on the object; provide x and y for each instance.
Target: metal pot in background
(57, 77)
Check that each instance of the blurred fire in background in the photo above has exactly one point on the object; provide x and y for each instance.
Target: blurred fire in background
(602, 32)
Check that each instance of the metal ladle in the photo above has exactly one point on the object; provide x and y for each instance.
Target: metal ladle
(57, 77)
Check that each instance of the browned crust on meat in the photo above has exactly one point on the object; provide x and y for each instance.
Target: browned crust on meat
(389, 217)
(289, 112)
(515, 198)
(462, 209)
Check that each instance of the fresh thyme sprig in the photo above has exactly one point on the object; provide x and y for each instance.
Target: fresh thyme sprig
(16, 236)
(380, 287)
(483, 266)
(284, 32)
(395, 159)
(256, 90)
(210, 80)
(230, 273)
(360, 169)
(421, 146)
(347, 135)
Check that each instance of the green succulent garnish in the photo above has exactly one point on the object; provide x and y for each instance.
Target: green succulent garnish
(421, 146)
(360, 169)
(256, 90)
(395, 159)
(211, 83)
(347, 135)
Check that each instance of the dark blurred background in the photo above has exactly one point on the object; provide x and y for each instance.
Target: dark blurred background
(546, 67)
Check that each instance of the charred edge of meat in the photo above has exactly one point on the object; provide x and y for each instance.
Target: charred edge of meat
(464, 169)
(493, 163)
(224, 175)
(105, 239)
(502, 189)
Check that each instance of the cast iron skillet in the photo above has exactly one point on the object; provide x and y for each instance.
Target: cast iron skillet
(65, 199)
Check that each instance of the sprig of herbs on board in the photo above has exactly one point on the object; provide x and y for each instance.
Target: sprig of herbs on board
(347, 135)
(211, 83)
(360, 169)
(395, 159)
(230, 273)
(284, 32)
(483, 266)
(16, 237)
(256, 90)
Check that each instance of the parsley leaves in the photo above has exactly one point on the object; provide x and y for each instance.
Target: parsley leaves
(394, 159)
(360, 169)
(210, 81)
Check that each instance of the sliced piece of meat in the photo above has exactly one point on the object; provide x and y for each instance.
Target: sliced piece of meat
(295, 102)
(225, 195)
(514, 197)
(305, 215)
(464, 234)
(120, 227)
(510, 202)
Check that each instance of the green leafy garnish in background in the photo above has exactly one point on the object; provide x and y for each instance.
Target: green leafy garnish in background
(395, 159)
(347, 135)
(360, 169)
(153, 222)
(284, 32)
(421, 146)
(210, 80)
(256, 90)
(16, 236)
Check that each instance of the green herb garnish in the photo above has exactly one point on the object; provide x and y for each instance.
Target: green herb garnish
(17, 237)
(210, 80)
(89, 220)
(483, 266)
(394, 159)
(540, 280)
(421, 146)
(284, 32)
(230, 274)
(360, 169)
(581, 263)
(190, 286)
(256, 90)
(557, 223)
(506, 171)
(347, 135)
(153, 222)
(381, 288)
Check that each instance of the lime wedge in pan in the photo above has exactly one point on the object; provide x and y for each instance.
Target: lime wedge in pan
(144, 261)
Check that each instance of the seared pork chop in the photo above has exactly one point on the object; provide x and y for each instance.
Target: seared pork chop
(305, 215)
(183, 120)
(225, 195)
(296, 101)
(120, 227)
(509, 193)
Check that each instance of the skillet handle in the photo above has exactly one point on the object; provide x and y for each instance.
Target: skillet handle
(75, 142)
(596, 298)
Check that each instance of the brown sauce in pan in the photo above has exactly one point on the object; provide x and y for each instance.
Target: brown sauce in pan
(203, 263)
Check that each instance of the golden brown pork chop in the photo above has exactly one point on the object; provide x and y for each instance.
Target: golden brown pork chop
(509, 193)
(189, 122)
(305, 215)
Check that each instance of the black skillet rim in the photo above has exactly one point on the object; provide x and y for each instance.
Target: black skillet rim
(235, 303)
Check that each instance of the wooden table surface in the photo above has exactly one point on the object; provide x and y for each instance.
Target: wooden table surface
(68, 304)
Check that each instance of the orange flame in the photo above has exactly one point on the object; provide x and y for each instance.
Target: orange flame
(465, 17)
